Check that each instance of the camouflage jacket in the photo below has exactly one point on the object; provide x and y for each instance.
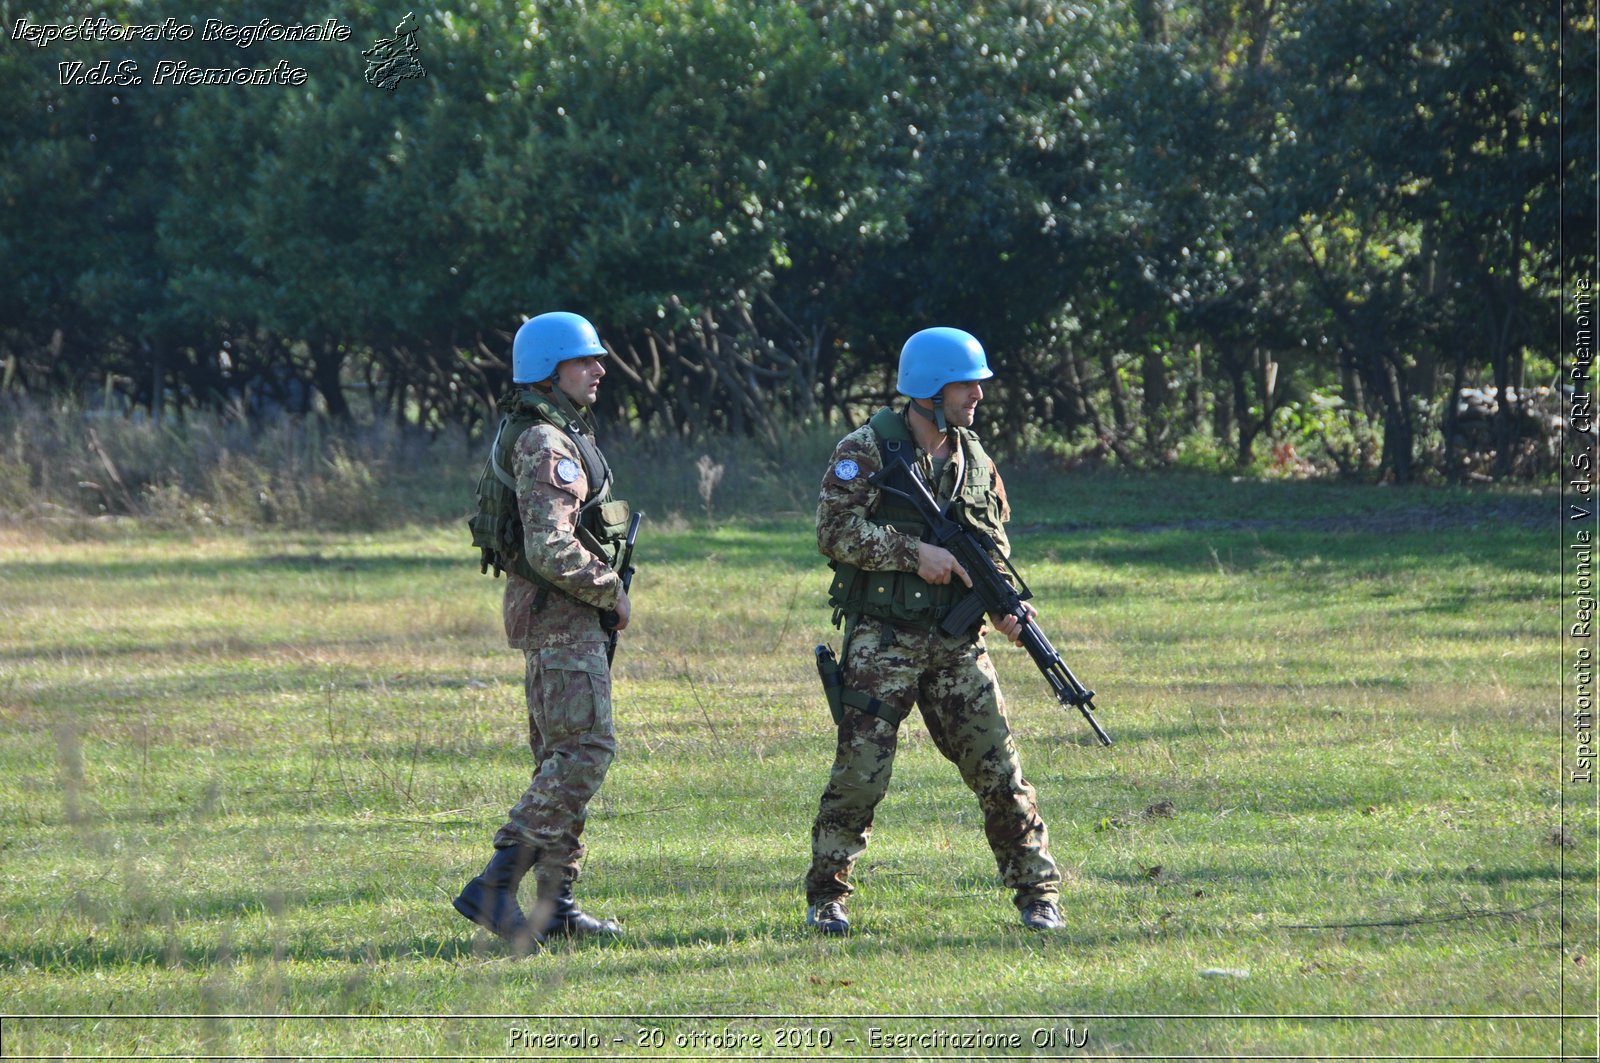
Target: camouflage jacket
(845, 531)
(551, 485)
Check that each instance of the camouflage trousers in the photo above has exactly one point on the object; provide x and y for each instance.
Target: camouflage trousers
(569, 731)
(953, 682)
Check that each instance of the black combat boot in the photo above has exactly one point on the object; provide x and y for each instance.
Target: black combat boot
(1042, 915)
(490, 900)
(571, 921)
(827, 917)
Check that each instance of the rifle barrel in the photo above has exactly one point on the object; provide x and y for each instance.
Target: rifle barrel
(625, 570)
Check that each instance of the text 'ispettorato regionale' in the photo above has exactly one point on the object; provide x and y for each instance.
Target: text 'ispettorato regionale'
(99, 29)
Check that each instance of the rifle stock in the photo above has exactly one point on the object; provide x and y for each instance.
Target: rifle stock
(991, 592)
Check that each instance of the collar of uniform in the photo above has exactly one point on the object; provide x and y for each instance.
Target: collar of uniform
(553, 406)
(953, 469)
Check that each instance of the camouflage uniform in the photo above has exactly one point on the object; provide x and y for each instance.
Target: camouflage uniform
(949, 678)
(567, 678)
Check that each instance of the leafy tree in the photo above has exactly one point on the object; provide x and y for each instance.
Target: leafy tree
(1414, 149)
(1165, 220)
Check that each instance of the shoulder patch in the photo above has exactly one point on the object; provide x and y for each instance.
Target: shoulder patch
(566, 470)
(846, 469)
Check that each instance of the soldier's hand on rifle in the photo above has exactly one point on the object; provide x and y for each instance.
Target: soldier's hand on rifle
(935, 564)
(622, 610)
(1009, 626)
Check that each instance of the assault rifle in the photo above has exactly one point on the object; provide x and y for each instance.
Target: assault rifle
(608, 618)
(990, 592)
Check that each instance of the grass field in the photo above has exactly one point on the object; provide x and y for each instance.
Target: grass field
(241, 775)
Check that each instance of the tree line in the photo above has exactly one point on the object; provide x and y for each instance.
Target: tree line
(1186, 230)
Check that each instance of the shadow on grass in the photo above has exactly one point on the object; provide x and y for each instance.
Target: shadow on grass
(470, 945)
(768, 941)
(1346, 555)
(178, 566)
(1218, 881)
(266, 671)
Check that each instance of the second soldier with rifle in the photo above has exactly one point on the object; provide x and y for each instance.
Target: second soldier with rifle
(892, 589)
(547, 518)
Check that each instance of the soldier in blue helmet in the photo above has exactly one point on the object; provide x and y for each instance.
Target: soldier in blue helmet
(547, 519)
(891, 589)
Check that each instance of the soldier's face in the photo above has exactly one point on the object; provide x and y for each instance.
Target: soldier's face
(961, 400)
(579, 379)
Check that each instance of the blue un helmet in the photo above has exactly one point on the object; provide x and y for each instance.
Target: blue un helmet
(546, 341)
(935, 357)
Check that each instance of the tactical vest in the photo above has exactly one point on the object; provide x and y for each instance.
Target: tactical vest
(904, 597)
(497, 526)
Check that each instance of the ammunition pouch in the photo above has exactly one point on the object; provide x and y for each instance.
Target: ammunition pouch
(609, 523)
(901, 598)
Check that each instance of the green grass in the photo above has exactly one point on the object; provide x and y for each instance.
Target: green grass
(243, 773)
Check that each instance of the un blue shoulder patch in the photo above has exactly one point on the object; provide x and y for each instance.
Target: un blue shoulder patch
(846, 469)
